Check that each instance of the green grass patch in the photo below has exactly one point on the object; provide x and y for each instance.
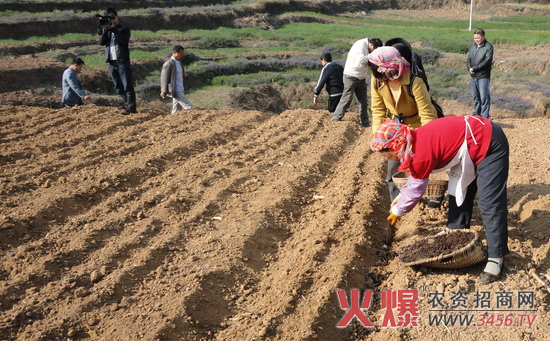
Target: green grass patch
(248, 80)
(527, 22)
(92, 61)
(528, 19)
(214, 97)
(96, 61)
(62, 38)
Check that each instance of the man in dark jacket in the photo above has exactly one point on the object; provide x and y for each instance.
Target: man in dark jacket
(115, 38)
(331, 75)
(480, 59)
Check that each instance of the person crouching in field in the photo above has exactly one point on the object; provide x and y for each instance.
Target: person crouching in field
(476, 153)
(72, 91)
(390, 98)
(172, 80)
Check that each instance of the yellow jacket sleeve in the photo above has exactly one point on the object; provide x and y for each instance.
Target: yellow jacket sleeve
(378, 107)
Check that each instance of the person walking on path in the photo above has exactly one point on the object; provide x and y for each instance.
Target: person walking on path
(172, 80)
(480, 60)
(355, 77)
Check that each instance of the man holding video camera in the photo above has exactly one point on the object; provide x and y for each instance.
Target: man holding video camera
(115, 38)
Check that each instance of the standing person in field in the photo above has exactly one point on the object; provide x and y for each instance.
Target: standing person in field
(331, 75)
(355, 79)
(72, 91)
(172, 80)
(391, 76)
(476, 152)
(480, 60)
(115, 38)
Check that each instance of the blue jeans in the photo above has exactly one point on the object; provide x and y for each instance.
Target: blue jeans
(482, 97)
(121, 74)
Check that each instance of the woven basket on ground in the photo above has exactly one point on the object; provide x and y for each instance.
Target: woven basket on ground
(436, 188)
(468, 255)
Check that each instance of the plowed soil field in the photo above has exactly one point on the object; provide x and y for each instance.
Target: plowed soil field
(225, 225)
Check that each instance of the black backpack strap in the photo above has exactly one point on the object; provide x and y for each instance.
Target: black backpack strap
(437, 107)
(410, 87)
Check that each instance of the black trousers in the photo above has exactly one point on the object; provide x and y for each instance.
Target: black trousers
(333, 103)
(492, 175)
(392, 187)
(121, 73)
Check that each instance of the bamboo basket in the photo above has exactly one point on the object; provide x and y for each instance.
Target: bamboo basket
(435, 192)
(468, 255)
(436, 188)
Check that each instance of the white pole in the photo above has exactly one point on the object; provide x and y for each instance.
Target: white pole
(471, 13)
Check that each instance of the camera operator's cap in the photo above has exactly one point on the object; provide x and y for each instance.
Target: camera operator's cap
(111, 10)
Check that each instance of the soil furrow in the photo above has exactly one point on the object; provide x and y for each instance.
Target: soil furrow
(302, 251)
(38, 223)
(199, 220)
(97, 149)
(67, 263)
(262, 245)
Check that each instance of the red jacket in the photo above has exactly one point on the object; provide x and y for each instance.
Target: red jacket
(437, 143)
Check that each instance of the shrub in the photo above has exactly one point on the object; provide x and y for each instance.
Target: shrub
(190, 58)
(453, 46)
(264, 98)
(216, 43)
(511, 103)
(429, 56)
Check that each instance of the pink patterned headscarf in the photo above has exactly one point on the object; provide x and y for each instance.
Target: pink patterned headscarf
(396, 136)
(389, 62)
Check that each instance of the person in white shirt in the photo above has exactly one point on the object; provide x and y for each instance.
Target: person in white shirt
(355, 78)
(172, 80)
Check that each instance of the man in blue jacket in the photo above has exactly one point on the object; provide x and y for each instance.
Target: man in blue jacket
(115, 38)
(72, 91)
(480, 59)
(332, 76)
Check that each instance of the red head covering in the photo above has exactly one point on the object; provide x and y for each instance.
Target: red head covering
(396, 136)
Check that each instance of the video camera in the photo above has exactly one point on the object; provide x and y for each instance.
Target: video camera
(105, 20)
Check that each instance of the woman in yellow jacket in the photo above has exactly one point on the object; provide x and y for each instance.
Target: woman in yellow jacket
(390, 98)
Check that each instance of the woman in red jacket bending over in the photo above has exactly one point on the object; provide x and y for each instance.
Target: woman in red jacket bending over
(475, 152)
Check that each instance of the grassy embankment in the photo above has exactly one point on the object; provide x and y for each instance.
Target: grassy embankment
(239, 58)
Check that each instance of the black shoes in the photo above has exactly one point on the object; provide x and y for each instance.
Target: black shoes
(128, 112)
(486, 278)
